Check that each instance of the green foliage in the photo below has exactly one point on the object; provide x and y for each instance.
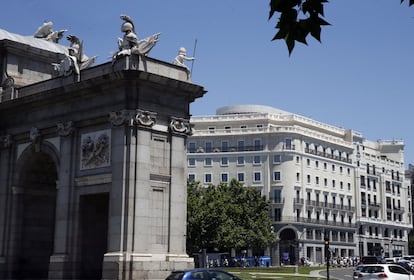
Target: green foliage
(299, 18)
(227, 216)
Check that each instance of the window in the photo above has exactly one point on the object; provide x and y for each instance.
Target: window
(257, 176)
(208, 178)
(308, 162)
(325, 165)
(277, 158)
(191, 162)
(333, 167)
(243, 127)
(288, 144)
(240, 177)
(278, 214)
(298, 177)
(240, 145)
(240, 160)
(316, 164)
(227, 128)
(277, 196)
(192, 147)
(224, 177)
(257, 144)
(308, 178)
(276, 176)
(325, 182)
(211, 129)
(224, 161)
(225, 146)
(208, 162)
(191, 177)
(257, 160)
(317, 180)
(209, 147)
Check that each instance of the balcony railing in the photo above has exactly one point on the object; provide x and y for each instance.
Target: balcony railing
(226, 149)
(327, 155)
(316, 222)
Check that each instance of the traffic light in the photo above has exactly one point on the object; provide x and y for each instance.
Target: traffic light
(327, 252)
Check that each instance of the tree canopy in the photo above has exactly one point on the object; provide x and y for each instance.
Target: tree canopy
(227, 216)
(299, 18)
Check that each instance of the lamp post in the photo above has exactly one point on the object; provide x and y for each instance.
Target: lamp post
(299, 249)
(327, 255)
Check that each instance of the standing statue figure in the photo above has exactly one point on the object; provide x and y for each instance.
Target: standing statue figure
(68, 65)
(181, 57)
(76, 60)
(130, 44)
(83, 61)
(45, 32)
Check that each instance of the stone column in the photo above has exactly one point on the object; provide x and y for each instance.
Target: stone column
(116, 263)
(60, 262)
(5, 196)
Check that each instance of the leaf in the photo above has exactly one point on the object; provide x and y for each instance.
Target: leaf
(290, 42)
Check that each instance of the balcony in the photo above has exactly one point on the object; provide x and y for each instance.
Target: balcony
(277, 201)
(314, 222)
(226, 149)
(298, 202)
(326, 155)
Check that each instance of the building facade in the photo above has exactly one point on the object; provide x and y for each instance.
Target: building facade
(322, 181)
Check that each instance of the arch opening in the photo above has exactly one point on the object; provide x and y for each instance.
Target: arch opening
(35, 216)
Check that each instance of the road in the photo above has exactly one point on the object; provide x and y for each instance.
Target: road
(339, 273)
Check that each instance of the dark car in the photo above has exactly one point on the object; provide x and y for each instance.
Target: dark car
(372, 260)
(204, 274)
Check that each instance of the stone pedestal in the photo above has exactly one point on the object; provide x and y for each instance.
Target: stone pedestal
(141, 266)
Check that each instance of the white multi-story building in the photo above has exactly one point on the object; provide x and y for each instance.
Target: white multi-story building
(322, 181)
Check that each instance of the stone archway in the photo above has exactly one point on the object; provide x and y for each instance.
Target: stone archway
(35, 207)
(288, 247)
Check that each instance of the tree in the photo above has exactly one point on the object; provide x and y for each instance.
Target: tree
(299, 18)
(227, 216)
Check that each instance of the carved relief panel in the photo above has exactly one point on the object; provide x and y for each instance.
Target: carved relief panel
(95, 149)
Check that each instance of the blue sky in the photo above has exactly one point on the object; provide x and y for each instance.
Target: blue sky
(359, 77)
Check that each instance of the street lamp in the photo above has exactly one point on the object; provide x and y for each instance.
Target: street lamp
(327, 255)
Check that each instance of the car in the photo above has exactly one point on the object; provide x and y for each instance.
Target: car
(357, 269)
(203, 274)
(406, 264)
(382, 271)
(372, 260)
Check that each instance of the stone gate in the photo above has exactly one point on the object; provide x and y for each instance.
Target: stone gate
(92, 166)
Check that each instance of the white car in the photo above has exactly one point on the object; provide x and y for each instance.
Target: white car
(382, 271)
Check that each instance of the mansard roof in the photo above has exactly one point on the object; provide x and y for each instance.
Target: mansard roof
(32, 42)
